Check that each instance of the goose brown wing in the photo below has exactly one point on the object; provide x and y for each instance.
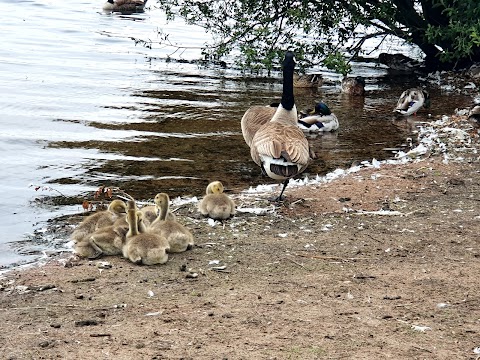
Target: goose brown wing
(274, 138)
(253, 119)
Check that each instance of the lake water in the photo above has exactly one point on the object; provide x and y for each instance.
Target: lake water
(83, 106)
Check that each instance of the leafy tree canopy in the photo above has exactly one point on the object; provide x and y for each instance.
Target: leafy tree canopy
(331, 32)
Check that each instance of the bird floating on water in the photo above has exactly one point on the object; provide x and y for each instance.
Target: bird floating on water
(320, 119)
(125, 6)
(353, 86)
(411, 101)
(399, 63)
(307, 80)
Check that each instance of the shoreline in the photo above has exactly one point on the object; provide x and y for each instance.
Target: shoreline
(382, 262)
(454, 129)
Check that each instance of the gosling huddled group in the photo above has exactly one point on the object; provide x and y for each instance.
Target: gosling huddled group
(146, 235)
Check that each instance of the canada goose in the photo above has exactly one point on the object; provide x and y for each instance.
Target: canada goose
(178, 236)
(307, 80)
(353, 86)
(411, 101)
(124, 6)
(116, 209)
(145, 248)
(254, 118)
(216, 204)
(279, 147)
(320, 119)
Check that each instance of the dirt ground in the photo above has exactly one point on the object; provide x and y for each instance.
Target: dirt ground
(380, 264)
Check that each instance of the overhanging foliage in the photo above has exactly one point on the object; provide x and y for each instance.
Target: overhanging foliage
(331, 32)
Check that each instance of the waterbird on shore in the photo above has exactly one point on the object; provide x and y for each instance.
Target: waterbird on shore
(143, 247)
(216, 204)
(179, 238)
(474, 115)
(278, 146)
(116, 209)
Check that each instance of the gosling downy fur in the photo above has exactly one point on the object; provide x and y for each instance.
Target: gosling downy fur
(116, 209)
(145, 248)
(411, 101)
(179, 238)
(150, 213)
(124, 6)
(108, 240)
(111, 239)
(216, 204)
(279, 147)
(320, 119)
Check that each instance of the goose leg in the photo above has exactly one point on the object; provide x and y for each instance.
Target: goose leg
(281, 197)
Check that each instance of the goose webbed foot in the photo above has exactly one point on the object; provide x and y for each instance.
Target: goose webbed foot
(281, 198)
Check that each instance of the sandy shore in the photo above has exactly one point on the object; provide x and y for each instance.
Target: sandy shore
(378, 263)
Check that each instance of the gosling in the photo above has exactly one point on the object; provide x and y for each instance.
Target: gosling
(216, 204)
(145, 247)
(116, 210)
(178, 236)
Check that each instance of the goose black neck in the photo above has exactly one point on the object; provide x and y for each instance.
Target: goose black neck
(288, 100)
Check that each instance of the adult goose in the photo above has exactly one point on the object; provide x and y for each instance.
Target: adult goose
(411, 101)
(124, 6)
(278, 146)
(216, 204)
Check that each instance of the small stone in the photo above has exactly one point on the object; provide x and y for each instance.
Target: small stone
(86, 322)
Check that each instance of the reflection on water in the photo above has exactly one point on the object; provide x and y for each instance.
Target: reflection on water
(84, 107)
